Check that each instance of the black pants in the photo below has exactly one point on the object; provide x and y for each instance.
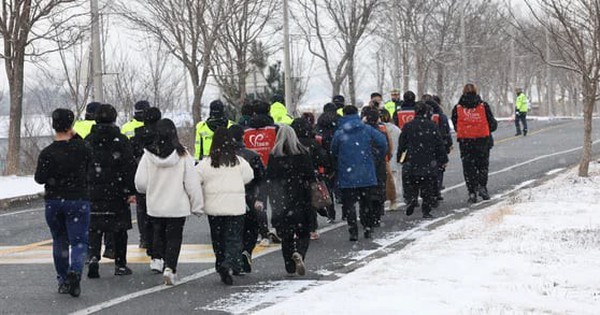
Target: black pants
(263, 221)
(168, 235)
(521, 118)
(119, 243)
(330, 182)
(144, 223)
(475, 161)
(350, 196)
(293, 240)
(440, 179)
(425, 186)
(226, 236)
(251, 229)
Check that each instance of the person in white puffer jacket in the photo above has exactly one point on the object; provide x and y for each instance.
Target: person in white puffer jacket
(167, 176)
(223, 175)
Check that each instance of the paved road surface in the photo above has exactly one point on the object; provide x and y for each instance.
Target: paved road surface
(27, 281)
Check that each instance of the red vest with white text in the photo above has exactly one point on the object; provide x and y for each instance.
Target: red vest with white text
(261, 141)
(472, 123)
(405, 116)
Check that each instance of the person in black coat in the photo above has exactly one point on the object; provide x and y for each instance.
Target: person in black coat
(424, 153)
(319, 157)
(474, 123)
(327, 124)
(144, 136)
(408, 104)
(441, 120)
(289, 174)
(111, 189)
(255, 220)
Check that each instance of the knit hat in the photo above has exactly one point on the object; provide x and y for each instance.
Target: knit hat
(217, 109)
(62, 119)
(139, 108)
(152, 115)
(329, 108)
(409, 96)
(106, 114)
(339, 101)
(261, 107)
(90, 110)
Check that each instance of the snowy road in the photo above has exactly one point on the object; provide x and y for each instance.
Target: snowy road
(26, 273)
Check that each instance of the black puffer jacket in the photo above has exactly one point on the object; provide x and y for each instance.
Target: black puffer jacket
(471, 101)
(111, 178)
(319, 156)
(425, 149)
(289, 179)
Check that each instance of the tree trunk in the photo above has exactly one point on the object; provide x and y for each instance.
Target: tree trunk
(351, 83)
(336, 86)
(589, 91)
(197, 101)
(405, 69)
(14, 74)
(439, 89)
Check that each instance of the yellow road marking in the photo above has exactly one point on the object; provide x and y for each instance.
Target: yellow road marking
(532, 133)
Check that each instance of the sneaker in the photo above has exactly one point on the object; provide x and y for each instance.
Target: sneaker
(472, 198)
(427, 216)
(300, 270)
(410, 209)
(157, 265)
(122, 271)
(169, 276)
(524, 133)
(246, 262)
(314, 236)
(274, 238)
(518, 133)
(484, 193)
(93, 269)
(367, 233)
(331, 221)
(394, 206)
(63, 288)
(73, 283)
(264, 242)
(226, 276)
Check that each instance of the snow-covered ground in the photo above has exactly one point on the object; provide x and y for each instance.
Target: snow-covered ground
(18, 186)
(537, 252)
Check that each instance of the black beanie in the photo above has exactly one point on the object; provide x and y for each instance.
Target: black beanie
(262, 108)
(62, 119)
(106, 114)
(217, 109)
(409, 96)
(329, 108)
(90, 110)
(139, 108)
(152, 115)
(339, 101)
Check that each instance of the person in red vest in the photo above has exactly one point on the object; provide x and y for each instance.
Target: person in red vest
(406, 112)
(474, 123)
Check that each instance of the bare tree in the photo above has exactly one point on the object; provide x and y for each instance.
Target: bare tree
(24, 24)
(333, 29)
(189, 30)
(574, 29)
(249, 20)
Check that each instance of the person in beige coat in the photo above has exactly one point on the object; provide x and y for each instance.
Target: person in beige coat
(167, 176)
(223, 175)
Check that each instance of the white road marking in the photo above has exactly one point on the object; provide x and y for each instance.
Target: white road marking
(22, 211)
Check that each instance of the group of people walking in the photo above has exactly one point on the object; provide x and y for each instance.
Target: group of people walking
(268, 160)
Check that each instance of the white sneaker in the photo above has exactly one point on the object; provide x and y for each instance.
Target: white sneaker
(169, 277)
(157, 265)
(265, 242)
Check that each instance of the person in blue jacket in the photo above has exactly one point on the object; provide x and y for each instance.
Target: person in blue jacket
(352, 148)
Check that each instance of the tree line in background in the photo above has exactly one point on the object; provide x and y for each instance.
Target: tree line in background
(548, 47)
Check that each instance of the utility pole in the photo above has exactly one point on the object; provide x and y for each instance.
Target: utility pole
(512, 81)
(98, 94)
(286, 59)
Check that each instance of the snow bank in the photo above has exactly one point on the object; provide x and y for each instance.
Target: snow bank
(537, 252)
(18, 186)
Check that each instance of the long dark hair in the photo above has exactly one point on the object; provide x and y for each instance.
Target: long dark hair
(166, 140)
(222, 150)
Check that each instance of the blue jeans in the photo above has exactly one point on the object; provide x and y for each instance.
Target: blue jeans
(68, 221)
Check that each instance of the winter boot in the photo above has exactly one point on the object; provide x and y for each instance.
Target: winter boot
(472, 198)
(123, 271)
(484, 193)
(73, 283)
(524, 132)
(93, 269)
(226, 274)
(300, 269)
(353, 233)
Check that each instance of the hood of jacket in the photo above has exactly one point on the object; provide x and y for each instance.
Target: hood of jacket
(216, 122)
(260, 121)
(351, 124)
(169, 161)
(104, 133)
(470, 100)
(328, 120)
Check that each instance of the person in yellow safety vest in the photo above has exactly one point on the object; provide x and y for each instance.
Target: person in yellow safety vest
(84, 127)
(206, 129)
(521, 108)
(339, 102)
(394, 103)
(129, 128)
(279, 112)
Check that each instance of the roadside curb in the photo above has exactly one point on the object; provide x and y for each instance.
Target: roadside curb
(19, 200)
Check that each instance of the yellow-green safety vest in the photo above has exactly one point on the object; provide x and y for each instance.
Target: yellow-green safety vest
(340, 111)
(280, 114)
(83, 127)
(522, 103)
(129, 128)
(390, 106)
(204, 136)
